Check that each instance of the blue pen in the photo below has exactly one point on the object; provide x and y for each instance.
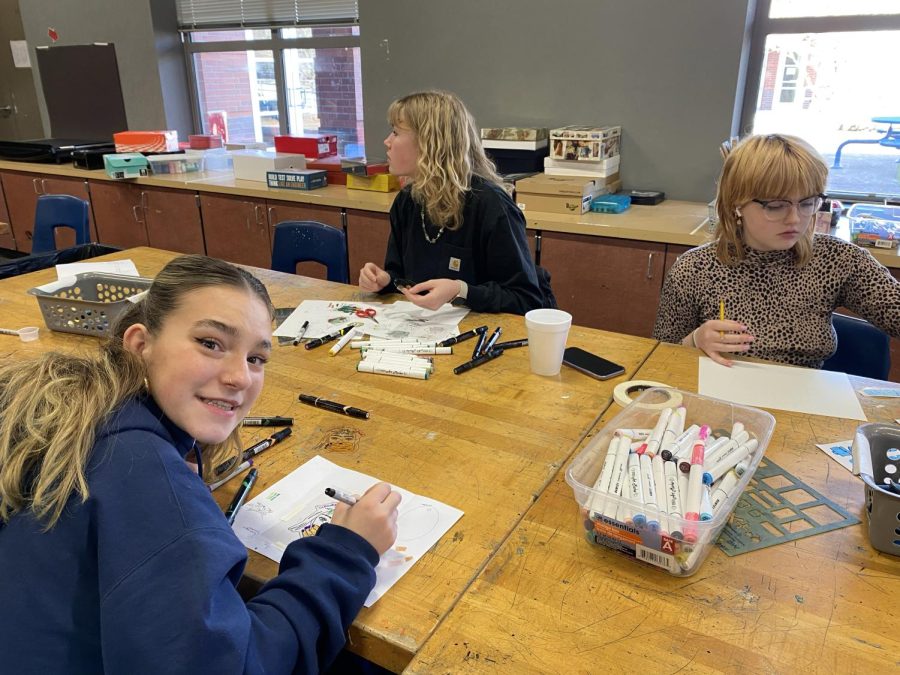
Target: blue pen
(241, 495)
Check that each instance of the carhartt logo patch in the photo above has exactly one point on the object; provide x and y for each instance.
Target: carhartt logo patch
(455, 264)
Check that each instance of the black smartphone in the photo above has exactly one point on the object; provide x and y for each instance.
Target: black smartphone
(591, 364)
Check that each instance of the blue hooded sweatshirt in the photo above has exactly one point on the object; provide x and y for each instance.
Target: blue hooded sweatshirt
(141, 578)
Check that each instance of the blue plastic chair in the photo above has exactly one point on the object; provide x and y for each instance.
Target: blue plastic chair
(301, 240)
(862, 349)
(54, 211)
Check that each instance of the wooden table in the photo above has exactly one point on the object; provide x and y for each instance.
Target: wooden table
(550, 602)
(488, 441)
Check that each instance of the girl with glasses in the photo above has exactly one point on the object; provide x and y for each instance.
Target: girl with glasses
(767, 284)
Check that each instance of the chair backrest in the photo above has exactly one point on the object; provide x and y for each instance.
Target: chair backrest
(55, 211)
(862, 349)
(301, 240)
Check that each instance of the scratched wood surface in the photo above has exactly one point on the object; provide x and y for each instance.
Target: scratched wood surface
(488, 441)
(549, 602)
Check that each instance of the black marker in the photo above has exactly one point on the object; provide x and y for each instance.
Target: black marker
(490, 343)
(341, 496)
(511, 344)
(318, 342)
(255, 449)
(474, 363)
(479, 344)
(267, 421)
(301, 333)
(241, 495)
(462, 336)
(334, 406)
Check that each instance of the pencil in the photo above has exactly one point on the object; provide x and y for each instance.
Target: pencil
(721, 316)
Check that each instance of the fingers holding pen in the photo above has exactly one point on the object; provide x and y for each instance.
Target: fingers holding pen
(721, 336)
(373, 517)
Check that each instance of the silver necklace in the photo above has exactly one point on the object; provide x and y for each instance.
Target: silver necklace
(425, 231)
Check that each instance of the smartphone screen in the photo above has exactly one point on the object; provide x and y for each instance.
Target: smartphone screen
(591, 364)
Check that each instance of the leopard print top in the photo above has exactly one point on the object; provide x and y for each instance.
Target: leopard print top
(788, 309)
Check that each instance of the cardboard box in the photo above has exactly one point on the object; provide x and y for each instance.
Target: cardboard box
(585, 144)
(559, 194)
(303, 179)
(514, 134)
(204, 141)
(127, 165)
(360, 166)
(172, 164)
(146, 141)
(254, 164)
(568, 167)
(311, 147)
(384, 182)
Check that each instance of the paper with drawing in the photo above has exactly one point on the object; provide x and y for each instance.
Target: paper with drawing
(764, 385)
(397, 320)
(296, 506)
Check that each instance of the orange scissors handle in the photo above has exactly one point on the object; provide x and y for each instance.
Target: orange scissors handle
(366, 313)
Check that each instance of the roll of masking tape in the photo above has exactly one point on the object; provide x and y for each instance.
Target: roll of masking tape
(624, 391)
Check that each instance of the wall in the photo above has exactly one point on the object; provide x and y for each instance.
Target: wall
(129, 25)
(668, 72)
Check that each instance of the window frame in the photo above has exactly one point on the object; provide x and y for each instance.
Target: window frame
(276, 44)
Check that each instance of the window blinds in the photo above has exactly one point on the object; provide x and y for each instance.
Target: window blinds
(239, 13)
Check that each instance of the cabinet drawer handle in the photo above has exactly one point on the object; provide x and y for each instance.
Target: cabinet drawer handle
(43, 186)
(650, 265)
(134, 212)
(272, 216)
(34, 184)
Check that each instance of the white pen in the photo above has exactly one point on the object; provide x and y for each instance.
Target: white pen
(339, 345)
(341, 496)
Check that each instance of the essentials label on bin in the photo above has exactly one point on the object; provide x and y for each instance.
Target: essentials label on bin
(657, 558)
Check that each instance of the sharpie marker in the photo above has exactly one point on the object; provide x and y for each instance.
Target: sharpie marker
(489, 345)
(481, 330)
(300, 335)
(240, 469)
(241, 495)
(511, 344)
(341, 496)
(474, 363)
(267, 421)
(255, 449)
(479, 344)
(318, 342)
(334, 406)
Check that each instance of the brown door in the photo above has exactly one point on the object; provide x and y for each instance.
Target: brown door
(367, 238)
(236, 229)
(278, 212)
(173, 219)
(22, 190)
(118, 214)
(20, 118)
(6, 234)
(613, 284)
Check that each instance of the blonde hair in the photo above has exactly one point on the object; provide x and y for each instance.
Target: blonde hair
(449, 153)
(765, 167)
(52, 406)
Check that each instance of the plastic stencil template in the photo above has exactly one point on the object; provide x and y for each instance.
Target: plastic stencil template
(296, 506)
(839, 452)
(777, 507)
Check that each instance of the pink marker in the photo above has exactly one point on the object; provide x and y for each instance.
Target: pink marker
(695, 484)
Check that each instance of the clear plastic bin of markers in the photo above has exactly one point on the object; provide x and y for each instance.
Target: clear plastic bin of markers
(622, 507)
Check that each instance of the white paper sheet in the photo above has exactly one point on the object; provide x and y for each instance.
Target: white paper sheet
(401, 319)
(763, 385)
(125, 267)
(839, 452)
(297, 505)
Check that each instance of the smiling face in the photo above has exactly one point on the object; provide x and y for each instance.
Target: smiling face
(205, 365)
(402, 150)
(780, 234)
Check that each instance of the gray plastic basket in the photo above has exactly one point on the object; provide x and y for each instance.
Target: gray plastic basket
(876, 454)
(89, 304)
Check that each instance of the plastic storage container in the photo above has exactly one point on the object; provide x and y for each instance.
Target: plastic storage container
(875, 225)
(876, 452)
(88, 304)
(652, 545)
(175, 163)
(610, 203)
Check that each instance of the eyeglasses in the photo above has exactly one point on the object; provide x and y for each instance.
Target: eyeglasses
(778, 209)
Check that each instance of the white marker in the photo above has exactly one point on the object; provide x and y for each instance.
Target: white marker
(633, 512)
(656, 436)
(412, 349)
(648, 491)
(617, 481)
(601, 487)
(722, 490)
(706, 512)
(658, 468)
(339, 345)
(673, 499)
(341, 496)
(390, 369)
(683, 443)
(673, 430)
(695, 485)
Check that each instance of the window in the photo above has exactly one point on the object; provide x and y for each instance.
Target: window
(253, 82)
(822, 70)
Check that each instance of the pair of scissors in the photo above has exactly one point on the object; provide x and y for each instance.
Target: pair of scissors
(366, 313)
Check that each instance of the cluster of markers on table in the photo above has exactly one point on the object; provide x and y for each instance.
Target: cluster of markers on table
(412, 357)
(672, 477)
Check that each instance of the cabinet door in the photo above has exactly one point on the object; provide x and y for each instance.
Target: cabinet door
(173, 219)
(672, 253)
(118, 214)
(7, 240)
(278, 212)
(367, 239)
(236, 229)
(613, 284)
